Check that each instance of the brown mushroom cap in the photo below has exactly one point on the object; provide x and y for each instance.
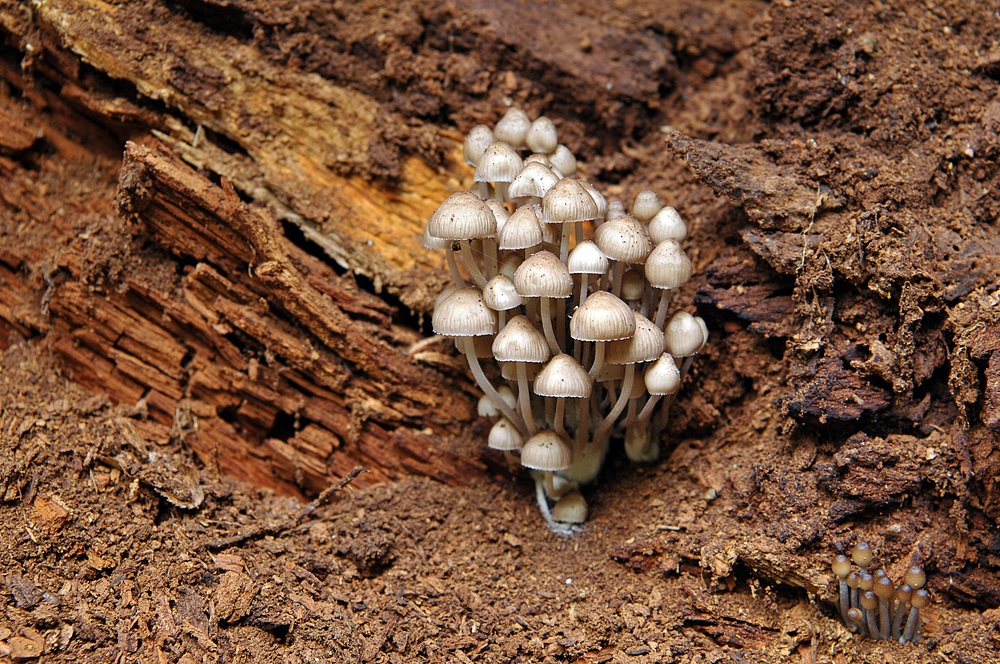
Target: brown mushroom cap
(862, 554)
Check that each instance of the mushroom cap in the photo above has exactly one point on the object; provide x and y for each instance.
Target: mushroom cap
(520, 341)
(509, 263)
(500, 213)
(508, 370)
(869, 602)
(646, 205)
(920, 598)
(915, 577)
(645, 345)
(464, 314)
(602, 317)
(667, 266)
(563, 377)
(546, 451)
(884, 588)
(663, 377)
(462, 216)
(540, 158)
(535, 179)
(499, 163)
(434, 243)
(481, 344)
(513, 127)
(568, 201)
(633, 285)
(667, 225)
(563, 161)
(499, 294)
(521, 230)
(542, 136)
(615, 210)
(504, 436)
(587, 258)
(599, 199)
(624, 239)
(476, 142)
(862, 554)
(841, 563)
(543, 275)
(683, 335)
(571, 508)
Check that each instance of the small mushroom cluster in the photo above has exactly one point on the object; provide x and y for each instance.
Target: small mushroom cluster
(578, 325)
(871, 605)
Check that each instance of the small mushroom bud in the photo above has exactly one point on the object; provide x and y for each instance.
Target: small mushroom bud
(541, 136)
(885, 591)
(513, 127)
(563, 161)
(476, 142)
(683, 335)
(667, 225)
(504, 436)
(903, 595)
(854, 583)
(842, 567)
(571, 508)
(869, 602)
(646, 205)
(919, 600)
(915, 577)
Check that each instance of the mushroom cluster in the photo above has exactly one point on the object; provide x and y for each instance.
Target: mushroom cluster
(570, 295)
(872, 605)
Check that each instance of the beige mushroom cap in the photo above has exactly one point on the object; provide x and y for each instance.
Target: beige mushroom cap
(546, 451)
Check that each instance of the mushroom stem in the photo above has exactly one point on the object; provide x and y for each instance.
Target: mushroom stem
(547, 327)
(524, 398)
(598, 359)
(456, 276)
(617, 269)
(883, 610)
(661, 308)
(604, 428)
(564, 243)
(845, 599)
(470, 264)
(492, 263)
(912, 624)
(560, 416)
(484, 384)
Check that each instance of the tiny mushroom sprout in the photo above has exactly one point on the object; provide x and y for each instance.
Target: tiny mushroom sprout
(566, 299)
(871, 605)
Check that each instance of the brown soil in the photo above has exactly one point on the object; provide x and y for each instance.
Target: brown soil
(838, 166)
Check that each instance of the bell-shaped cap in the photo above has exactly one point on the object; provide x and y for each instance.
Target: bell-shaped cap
(624, 239)
(645, 345)
(504, 436)
(568, 201)
(603, 317)
(521, 230)
(499, 163)
(667, 266)
(563, 161)
(464, 314)
(646, 205)
(476, 142)
(542, 136)
(667, 225)
(546, 451)
(543, 275)
(571, 508)
(520, 341)
(499, 294)
(513, 127)
(662, 377)
(633, 285)
(587, 258)
(462, 216)
(535, 179)
(563, 377)
(683, 335)
(599, 200)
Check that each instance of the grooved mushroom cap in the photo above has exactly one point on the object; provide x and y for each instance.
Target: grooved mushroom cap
(499, 294)
(568, 201)
(603, 317)
(587, 258)
(683, 335)
(546, 451)
(462, 216)
(667, 225)
(646, 205)
(500, 213)
(520, 341)
(563, 377)
(563, 161)
(624, 239)
(431, 242)
(504, 436)
(476, 142)
(663, 377)
(599, 199)
(513, 127)
(499, 163)
(645, 345)
(521, 230)
(542, 136)
(535, 179)
(668, 267)
(571, 508)
(509, 264)
(464, 314)
(540, 158)
(543, 275)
